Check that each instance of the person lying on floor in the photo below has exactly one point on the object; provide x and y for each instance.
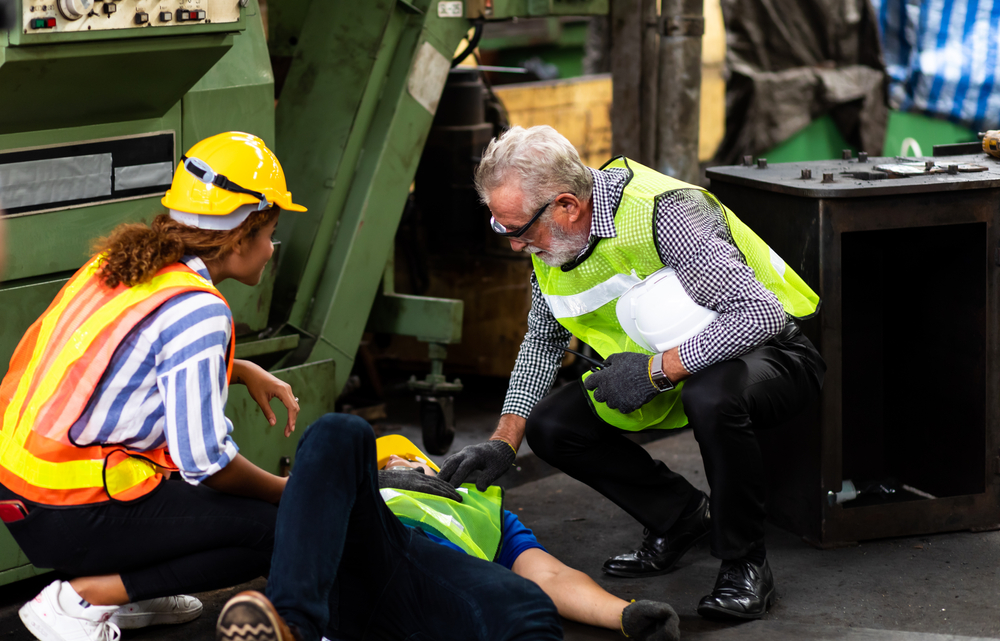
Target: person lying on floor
(415, 559)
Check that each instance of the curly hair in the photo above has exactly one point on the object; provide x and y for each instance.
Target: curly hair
(134, 252)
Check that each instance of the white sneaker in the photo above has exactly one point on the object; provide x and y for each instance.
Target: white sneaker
(168, 609)
(46, 618)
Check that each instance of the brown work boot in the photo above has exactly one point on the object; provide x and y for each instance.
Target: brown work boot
(249, 616)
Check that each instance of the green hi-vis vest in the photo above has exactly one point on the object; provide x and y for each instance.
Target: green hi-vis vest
(475, 524)
(583, 297)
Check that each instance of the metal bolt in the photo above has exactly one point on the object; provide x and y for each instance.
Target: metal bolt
(863, 156)
(952, 169)
(762, 163)
(748, 160)
(807, 174)
(828, 178)
(846, 154)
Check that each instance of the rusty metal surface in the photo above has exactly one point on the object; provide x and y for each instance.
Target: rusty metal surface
(786, 178)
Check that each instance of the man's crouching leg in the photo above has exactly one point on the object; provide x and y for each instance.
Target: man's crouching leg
(725, 404)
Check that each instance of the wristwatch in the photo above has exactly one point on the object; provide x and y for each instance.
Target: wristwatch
(660, 380)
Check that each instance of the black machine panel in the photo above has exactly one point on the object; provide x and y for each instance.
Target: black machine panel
(85, 173)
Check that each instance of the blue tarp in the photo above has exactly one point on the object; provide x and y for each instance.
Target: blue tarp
(942, 57)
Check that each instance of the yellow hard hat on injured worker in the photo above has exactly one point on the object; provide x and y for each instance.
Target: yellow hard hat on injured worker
(223, 178)
(402, 447)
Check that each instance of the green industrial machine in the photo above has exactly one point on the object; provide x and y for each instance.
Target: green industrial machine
(99, 98)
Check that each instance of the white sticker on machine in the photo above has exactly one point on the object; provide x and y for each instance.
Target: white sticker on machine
(450, 9)
(139, 176)
(40, 182)
(427, 77)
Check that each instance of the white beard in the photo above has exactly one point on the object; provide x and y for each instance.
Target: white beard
(564, 246)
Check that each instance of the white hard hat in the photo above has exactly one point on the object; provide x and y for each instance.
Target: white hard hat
(659, 315)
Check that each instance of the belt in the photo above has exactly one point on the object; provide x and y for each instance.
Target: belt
(788, 332)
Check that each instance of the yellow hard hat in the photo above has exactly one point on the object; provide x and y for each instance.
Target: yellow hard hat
(225, 172)
(400, 446)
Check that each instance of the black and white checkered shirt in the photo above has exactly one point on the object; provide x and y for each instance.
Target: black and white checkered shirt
(694, 240)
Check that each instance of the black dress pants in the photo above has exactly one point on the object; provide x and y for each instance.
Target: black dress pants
(724, 404)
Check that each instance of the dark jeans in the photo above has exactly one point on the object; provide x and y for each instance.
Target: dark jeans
(344, 566)
(180, 539)
(724, 404)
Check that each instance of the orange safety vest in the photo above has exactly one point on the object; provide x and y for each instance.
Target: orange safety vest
(54, 372)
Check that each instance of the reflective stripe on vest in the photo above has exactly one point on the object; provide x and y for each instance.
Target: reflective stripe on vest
(475, 525)
(53, 374)
(582, 295)
(570, 305)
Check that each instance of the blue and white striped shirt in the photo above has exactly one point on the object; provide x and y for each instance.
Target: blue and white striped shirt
(166, 383)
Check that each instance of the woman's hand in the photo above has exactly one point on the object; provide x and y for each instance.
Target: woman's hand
(263, 386)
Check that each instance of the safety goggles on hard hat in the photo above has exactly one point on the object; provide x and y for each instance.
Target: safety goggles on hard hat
(517, 233)
(200, 170)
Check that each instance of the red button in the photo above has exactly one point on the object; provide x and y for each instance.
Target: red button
(50, 22)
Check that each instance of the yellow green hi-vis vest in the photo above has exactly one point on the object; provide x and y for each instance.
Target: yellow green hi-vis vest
(475, 525)
(583, 299)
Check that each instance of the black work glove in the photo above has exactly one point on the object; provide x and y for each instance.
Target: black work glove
(650, 621)
(623, 383)
(414, 480)
(492, 458)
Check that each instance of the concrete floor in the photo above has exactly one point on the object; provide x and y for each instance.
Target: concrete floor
(927, 588)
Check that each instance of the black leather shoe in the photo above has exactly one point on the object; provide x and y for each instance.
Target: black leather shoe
(658, 554)
(743, 590)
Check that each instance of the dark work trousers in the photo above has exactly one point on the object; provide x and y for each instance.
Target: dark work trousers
(344, 565)
(179, 539)
(724, 404)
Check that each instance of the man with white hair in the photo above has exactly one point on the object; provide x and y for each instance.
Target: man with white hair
(594, 235)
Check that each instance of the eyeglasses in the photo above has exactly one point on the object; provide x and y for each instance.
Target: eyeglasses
(517, 233)
(200, 170)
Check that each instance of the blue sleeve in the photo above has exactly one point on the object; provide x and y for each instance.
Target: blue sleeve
(517, 539)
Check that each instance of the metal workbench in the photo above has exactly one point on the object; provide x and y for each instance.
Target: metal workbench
(907, 271)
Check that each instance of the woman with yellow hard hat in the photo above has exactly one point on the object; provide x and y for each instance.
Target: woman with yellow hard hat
(124, 380)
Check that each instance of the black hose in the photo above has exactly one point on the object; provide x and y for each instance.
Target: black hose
(473, 43)
(593, 361)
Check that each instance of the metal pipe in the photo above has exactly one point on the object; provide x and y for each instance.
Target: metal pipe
(682, 25)
(626, 72)
(648, 82)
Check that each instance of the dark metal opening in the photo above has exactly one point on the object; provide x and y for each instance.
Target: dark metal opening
(914, 362)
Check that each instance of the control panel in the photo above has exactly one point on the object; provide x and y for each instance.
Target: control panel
(70, 16)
